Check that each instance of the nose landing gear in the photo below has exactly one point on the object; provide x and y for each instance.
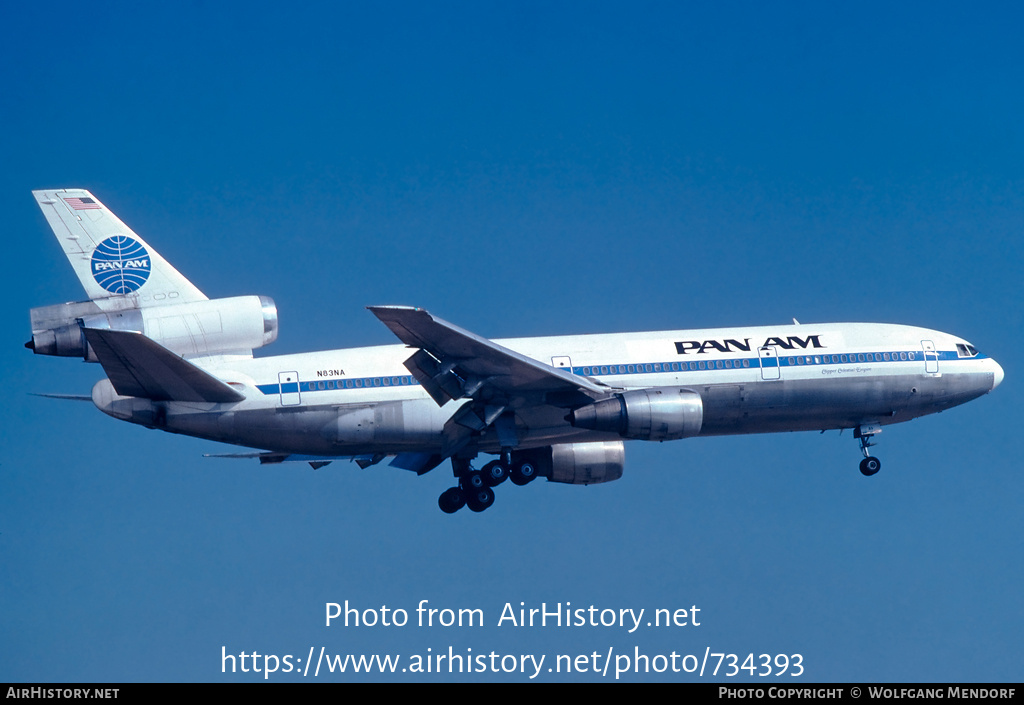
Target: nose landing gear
(870, 465)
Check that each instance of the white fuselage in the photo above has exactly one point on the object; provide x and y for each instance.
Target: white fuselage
(751, 380)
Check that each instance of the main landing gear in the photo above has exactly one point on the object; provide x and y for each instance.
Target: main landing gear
(476, 487)
(870, 465)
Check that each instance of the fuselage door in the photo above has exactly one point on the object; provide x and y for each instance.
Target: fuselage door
(289, 382)
(769, 363)
(931, 357)
(561, 361)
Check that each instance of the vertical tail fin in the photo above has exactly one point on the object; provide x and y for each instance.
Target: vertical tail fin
(111, 261)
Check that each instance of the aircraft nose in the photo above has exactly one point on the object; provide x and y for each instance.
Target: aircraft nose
(997, 376)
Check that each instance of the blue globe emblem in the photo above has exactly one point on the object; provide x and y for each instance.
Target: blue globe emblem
(120, 264)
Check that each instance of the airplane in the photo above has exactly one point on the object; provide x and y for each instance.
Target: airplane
(557, 407)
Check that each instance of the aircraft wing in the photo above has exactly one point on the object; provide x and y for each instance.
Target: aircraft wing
(476, 358)
(140, 367)
(452, 363)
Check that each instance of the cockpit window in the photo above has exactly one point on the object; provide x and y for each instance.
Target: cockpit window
(966, 350)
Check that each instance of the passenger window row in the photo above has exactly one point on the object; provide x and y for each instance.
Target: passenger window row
(695, 366)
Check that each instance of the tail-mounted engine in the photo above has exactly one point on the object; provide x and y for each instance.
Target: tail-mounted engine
(655, 414)
(212, 327)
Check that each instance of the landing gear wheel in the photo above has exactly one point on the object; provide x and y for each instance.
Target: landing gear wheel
(452, 500)
(481, 499)
(523, 473)
(472, 481)
(869, 466)
(495, 472)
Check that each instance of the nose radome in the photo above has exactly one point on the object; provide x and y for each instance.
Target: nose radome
(996, 373)
(997, 376)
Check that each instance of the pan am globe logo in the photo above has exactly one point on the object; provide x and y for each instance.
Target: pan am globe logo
(120, 264)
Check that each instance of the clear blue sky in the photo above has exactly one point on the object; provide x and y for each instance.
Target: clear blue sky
(523, 169)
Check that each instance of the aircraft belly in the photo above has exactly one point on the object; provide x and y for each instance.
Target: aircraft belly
(541, 437)
(390, 426)
(296, 431)
(814, 404)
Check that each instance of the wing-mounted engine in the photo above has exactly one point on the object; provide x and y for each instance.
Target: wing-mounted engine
(655, 414)
(587, 463)
(572, 463)
(235, 325)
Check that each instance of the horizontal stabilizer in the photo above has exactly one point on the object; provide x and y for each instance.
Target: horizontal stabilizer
(65, 397)
(140, 367)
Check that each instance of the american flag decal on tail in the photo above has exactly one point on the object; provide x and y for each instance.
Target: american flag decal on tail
(82, 204)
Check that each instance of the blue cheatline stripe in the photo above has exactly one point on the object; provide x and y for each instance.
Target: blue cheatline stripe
(754, 363)
(345, 384)
(743, 363)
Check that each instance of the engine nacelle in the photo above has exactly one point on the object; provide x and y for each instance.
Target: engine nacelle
(236, 324)
(575, 463)
(655, 414)
(587, 463)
